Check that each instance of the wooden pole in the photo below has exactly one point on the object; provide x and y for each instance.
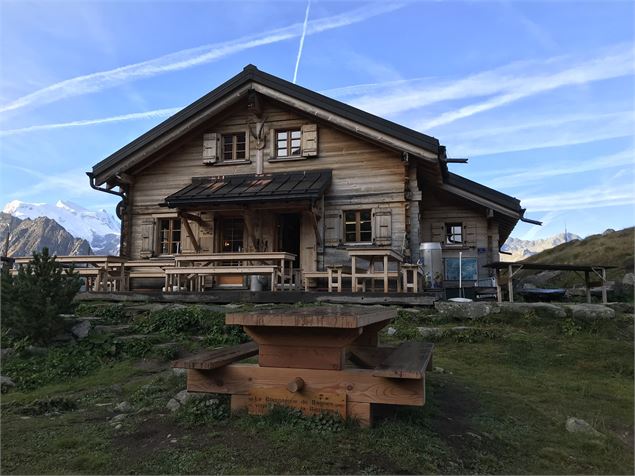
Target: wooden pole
(587, 285)
(510, 286)
(499, 290)
(604, 294)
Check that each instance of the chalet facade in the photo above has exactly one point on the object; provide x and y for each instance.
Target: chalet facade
(260, 164)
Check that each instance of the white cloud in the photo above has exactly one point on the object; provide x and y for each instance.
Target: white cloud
(501, 85)
(157, 113)
(70, 181)
(591, 197)
(188, 58)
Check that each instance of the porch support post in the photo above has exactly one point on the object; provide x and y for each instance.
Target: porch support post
(510, 286)
(587, 287)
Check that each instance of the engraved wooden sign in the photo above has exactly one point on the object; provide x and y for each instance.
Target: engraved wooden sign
(261, 400)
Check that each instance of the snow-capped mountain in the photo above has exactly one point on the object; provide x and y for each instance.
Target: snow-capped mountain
(99, 228)
(521, 249)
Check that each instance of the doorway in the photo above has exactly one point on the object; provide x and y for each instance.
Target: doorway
(289, 226)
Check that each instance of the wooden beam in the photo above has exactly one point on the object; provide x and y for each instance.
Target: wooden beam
(188, 229)
(216, 358)
(510, 285)
(359, 385)
(587, 287)
(191, 216)
(410, 360)
(316, 227)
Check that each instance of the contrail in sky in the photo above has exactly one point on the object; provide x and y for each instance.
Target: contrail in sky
(188, 58)
(306, 21)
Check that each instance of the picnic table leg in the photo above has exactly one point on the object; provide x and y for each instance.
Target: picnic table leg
(353, 274)
(385, 274)
(339, 280)
(329, 276)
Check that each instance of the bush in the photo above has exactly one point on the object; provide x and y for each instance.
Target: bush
(33, 300)
(192, 320)
(110, 313)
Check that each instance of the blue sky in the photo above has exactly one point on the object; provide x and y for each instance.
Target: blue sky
(539, 95)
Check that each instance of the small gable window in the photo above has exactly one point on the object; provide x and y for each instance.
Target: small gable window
(453, 233)
(288, 143)
(234, 146)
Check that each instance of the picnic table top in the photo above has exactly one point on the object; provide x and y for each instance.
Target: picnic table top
(340, 317)
(374, 251)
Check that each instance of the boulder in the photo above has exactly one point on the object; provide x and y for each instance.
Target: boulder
(391, 331)
(118, 418)
(629, 279)
(577, 425)
(173, 405)
(540, 309)
(123, 407)
(430, 331)
(6, 382)
(179, 371)
(465, 310)
(81, 329)
(590, 312)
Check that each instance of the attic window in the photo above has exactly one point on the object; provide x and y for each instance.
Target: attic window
(288, 143)
(234, 146)
(453, 233)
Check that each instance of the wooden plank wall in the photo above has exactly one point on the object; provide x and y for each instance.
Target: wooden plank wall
(364, 176)
(480, 233)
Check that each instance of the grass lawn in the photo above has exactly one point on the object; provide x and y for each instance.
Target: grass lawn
(496, 403)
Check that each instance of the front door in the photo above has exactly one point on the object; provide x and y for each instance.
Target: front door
(232, 231)
(289, 225)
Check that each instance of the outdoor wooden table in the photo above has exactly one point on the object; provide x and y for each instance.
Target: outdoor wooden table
(106, 272)
(302, 363)
(374, 255)
(246, 263)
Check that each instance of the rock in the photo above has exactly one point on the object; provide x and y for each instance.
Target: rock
(439, 370)
(233, 306)
(465, 310)
(6, 382)
(629, 279)
(82, 329)
(540, 309)
(391, 331)
(590, 312)
(173, 405)
(173, 440)
(429, 331)
(577, 425)
(624, 307)
(123, 407)
(608, 231)
(118, 418)
(179, 371)
(35, 351)
(118, 426)
(8, 352)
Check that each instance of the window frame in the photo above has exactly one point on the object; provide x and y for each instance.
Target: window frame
(358, 225)
(234, 152)
(450, 233)
(289, 143)
(170, 240)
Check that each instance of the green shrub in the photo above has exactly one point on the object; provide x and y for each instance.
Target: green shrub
(111, 313)
(198, 411)
(33, 300)
(192, 320)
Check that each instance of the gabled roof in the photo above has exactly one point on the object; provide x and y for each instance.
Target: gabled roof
(281, 186)
(252, 74)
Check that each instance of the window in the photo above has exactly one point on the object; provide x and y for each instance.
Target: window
(288, 143)
(453, 233)
(234, 146)
(232, 235)
(358, 226)
(169, 236)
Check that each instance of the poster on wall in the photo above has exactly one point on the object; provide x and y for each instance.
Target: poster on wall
(469, 269)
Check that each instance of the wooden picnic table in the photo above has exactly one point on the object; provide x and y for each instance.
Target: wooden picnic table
(374, 255)
(302, 363)
(102, 273)
(277, 264)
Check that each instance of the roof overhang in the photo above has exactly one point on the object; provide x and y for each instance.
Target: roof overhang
(325, 109)
(251, 188)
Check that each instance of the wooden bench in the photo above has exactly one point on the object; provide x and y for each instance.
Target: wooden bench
(217, 358)
(333, 275)
(373, 276)
(195, 275)
(408, 361)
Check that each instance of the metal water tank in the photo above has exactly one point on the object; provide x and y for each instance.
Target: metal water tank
(432, 262)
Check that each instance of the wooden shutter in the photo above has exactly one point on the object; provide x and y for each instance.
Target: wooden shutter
(210, 147)
(382, 222)
(309, 142)
(147, 238)
(333, 228)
